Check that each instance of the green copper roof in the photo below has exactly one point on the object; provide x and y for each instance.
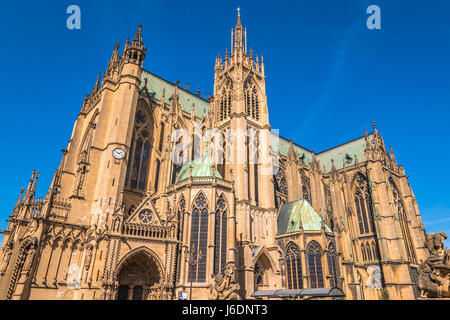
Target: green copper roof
(201, 167)
(156, 85)
(299, 213)
(347, 152)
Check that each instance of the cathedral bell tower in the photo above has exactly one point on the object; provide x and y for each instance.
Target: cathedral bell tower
(94, 165)
(240, 112)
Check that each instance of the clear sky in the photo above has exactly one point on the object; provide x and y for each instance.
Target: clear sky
(328, 76)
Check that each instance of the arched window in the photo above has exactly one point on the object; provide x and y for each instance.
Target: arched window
(314, 253)
(161, 137)
(369, 252)
(139, 160)
(199, 236)
(258, 274)
(251, 98)
(281, 190)
(220, 236)
(293, 267)
(180, 212)
(225, 100)
(306, 189)
(280, 182)
(333, 265)
(363, 252)
(363, 204)
(158, 166)
(403, 220)
(329, 205)
(374, 251)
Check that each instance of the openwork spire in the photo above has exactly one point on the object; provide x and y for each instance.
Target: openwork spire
(238, 33)
(137, 41)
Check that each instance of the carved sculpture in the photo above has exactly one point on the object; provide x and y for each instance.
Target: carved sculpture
(434, 273)
(225, 286)
(6, 259)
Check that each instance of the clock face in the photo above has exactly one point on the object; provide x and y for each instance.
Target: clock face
(118, 153)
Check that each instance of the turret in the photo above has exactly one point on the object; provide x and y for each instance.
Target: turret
(135, 50)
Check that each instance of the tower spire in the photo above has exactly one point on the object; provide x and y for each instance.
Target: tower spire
(137, 41)
(238, 33)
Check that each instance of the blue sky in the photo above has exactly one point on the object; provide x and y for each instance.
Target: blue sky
(328, 76)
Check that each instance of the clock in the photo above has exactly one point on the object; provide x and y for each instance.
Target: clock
(118, 153)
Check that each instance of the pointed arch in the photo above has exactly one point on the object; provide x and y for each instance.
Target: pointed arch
(363, 252)
(263, 269)
(306, 188)
(400, 210)
(220, 234)
(138, 271)
(333, 265)
(140, 150)
(314, 253)
(199, 235)
(22, 267)
(86, 142)
(294, 275)
(363, 203)
(252, 99)
(225, 100)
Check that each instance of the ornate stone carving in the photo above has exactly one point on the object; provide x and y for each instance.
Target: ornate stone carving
(225, 286)
(6, 258)
(434, 273)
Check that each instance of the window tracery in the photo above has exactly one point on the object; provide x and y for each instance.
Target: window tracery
(293, 267)
(314, 254)
(225, 100)
(251, 98)
(139, 160)
(220, 235)
(199, 236)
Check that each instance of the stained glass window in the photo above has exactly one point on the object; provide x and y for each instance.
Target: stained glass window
(139, 159)
(314, 253)
(363, 205)
(403, 220)
(199, 236)
(220, 235)
(145, 216)
(293, 267)
(333, 265)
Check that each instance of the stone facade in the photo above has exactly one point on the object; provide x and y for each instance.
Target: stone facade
(146, 204)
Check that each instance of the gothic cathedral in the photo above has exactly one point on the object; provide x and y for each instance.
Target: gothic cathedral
(161, 192)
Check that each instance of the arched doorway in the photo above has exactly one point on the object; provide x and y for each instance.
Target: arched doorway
(139, 277)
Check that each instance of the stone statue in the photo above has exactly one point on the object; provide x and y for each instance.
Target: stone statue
(87, 262)
(434, 273)
(28, 259)
(6, 259)
(225, 286)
